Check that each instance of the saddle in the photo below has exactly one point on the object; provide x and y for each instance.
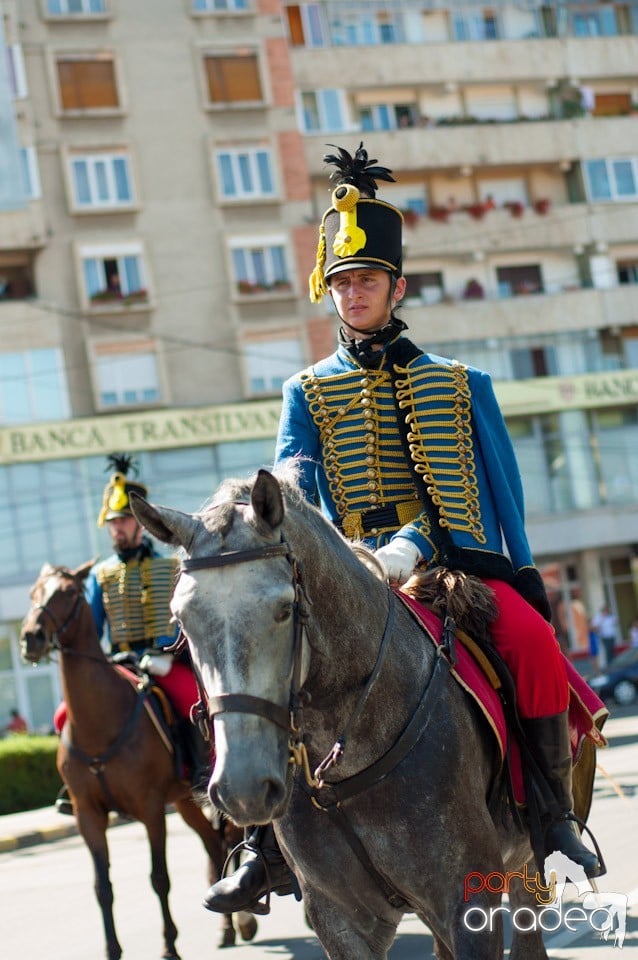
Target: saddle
(478, 669)
(156, 703)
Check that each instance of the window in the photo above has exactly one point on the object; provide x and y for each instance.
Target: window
(114, 276)
(612, 179)
(15, 68)
(33, 386)
(424, 287)
(627, 271)
(88, 83)
(270, 362)
(52, 491)
(363, 28)
(126, 374)
(16, 280)
(244, 173)
(595, 23)
(388, 116)
(30, 172)
(519, 281)
(212, 6)
(233, 78)
(72, 8)
(306, 25)
(260, 268)
(476, 26)
(322, 110)
(101, 180)
(529, 362)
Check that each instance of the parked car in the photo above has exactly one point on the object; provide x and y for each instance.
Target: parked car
(619, 682)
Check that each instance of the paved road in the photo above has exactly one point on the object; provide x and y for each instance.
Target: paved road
(47, 907)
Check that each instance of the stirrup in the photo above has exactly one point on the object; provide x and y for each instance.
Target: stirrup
(256, 906)
(582, 826)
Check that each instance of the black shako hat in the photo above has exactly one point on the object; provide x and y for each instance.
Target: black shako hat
(116, 493)
(357, 230)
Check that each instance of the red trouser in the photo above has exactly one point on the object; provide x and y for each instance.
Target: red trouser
(528, 645)
(179, 685)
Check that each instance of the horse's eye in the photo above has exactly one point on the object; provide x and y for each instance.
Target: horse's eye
(284, 613)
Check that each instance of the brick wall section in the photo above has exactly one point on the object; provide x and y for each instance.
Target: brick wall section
(280, 72)
(292, 162)
(269, 7)
(321, 337)
(304, 241)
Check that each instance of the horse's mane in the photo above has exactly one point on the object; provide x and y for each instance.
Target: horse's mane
(238, 489)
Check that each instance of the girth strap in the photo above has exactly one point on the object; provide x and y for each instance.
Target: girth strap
(410, 735)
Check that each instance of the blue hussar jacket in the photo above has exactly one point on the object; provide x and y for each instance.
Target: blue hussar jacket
(131, 599)
(340, 420)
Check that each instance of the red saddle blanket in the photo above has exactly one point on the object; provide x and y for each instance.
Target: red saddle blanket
(586, 709)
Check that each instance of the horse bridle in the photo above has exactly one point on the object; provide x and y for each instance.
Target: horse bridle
(58, 630)
(291, 719)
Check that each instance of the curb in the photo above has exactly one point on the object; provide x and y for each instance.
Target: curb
(35, 837)
(32, 838)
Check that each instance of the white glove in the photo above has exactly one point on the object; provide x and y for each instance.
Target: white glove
(159, 666)
(399, 557)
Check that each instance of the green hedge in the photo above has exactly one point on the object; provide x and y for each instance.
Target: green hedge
(28, 776)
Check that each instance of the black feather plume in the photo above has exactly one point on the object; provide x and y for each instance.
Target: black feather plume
(121, 463)
(357, 170)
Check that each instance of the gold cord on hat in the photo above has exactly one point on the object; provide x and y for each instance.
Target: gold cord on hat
(317, 280)
(115, 497)
(349, 237)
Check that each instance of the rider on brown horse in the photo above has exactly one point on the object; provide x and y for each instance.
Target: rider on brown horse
(129, 594)
(410, 453)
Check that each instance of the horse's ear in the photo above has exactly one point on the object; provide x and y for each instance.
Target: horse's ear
(168, 525)
(266, 499)
(82, 572)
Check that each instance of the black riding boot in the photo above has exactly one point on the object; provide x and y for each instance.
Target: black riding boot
(263, 871)
(63, 801)
(550, 744)
(196, 754)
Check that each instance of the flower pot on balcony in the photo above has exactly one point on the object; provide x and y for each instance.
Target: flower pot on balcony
(441, 214)
(476, 210)
(515, 207)
(542, 206)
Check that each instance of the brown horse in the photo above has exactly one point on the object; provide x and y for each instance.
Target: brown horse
(111, 754)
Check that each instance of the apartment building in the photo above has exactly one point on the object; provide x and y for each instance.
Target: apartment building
(161, 181)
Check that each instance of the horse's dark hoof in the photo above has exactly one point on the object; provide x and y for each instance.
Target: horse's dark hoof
(247, 925)
(227, 938)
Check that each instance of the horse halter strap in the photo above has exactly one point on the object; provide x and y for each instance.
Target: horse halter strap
(289, 720)
(59, 630)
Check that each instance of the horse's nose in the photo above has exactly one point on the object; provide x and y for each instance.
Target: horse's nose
(261, 803)
(32, 643)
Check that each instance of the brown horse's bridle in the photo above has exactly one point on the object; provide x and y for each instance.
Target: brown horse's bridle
(58, 630)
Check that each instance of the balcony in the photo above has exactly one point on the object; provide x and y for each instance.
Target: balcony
(23, 229)
(485, 144)
(488, 61)
(562, 226)
(538, 313)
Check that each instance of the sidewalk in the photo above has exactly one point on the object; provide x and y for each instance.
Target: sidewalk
(19, 830)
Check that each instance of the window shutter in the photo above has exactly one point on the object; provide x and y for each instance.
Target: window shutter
(233, 79)
(87, 84)
(295, 26)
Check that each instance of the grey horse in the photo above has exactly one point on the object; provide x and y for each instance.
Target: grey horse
(309, 663)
